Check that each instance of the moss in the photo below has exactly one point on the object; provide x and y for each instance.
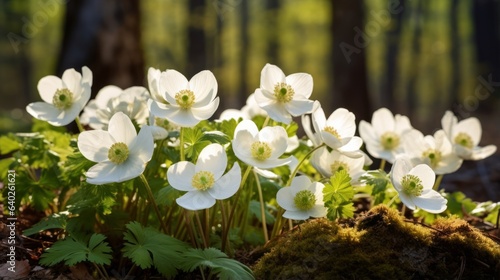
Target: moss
(382, 245)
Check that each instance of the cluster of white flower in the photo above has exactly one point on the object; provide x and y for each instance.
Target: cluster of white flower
(174, 102)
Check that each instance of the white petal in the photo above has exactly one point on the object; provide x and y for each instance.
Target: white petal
(228, 184)
(108, 172)
(299, 107)
(426, 174)
(95, 144)
(154, 83)
(285, 199)
(72, 80)
(47, 87)
(171, 82)
(332, 141)
(479, 153)
(204, 113)
(142, 146)
(246, 125)
(196, 200)
(300, 183)
(431, 201)
(448, 121)
(302, 84)
(318, 211)
(180, 175)
(204, 87)
(383, 120)
(269, 163)
(343, 121)
(233, 114)
(407, 200)
(318, 119)
(352, 146)
(449, 164)
(161, 110)
(270, 76)
(296, 215)
(402, 124)
(121, 128)
(278, 112)
(87, 76)
(276, 137)
(471, 127)
(43, 111)
(212, 158)
(105, 94)
(242, 145)
(264, 97)
(400, 168)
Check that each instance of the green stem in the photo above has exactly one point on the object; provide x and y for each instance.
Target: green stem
(181, 144)
(153, 202)
(225, 226)
(262, 207)
(79, 124)
(382, 164)
(200, 229)
(266, 121)
(438, 182)
(190, 229)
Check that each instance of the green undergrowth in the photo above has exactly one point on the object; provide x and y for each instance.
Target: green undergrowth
(382, 245)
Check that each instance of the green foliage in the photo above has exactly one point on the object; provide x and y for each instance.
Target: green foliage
(380, 181)
(8, 144)
(219, 263)
(54, 221)
(338, 195)
(75, 249)
(147, 247)
(488, 210)
(254, 208)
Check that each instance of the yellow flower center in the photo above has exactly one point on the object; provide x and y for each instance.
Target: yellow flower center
(118, 153)
(261, 150)
(63, 99)
(332, 131)
(338, 166)
(283, 92)
(203, 180)
(304, 200)
(185, 98)
(434, 156)
(412, 185)
(389, 140)
(163, 123)
(463, 139)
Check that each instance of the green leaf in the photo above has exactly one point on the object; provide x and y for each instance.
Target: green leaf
(215, 137)
(74, 249)
(458, 203)
(291, 129)
(8, 144)
(342, 210)
(58, 220)
(228, 127)
(339, 188)
(254, 208)
(224, 267)
(147, 247)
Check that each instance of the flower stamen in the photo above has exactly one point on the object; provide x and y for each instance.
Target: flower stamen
(185, 98)
(283, 92)
(304, 200)
(412, 185)
(464, 139)
(63, 99)
(261, 150)
(118, 153)
(433, 155)
(338, 166)
(389, 140)
(203, 180)
(332, 131)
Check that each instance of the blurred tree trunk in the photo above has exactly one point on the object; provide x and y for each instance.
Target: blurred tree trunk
(106, 37)
(349, 63)
(197, 45)
(243, 91)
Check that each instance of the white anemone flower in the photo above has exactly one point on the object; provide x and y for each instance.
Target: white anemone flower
(112, 99)
(260, 149)
(435, 151)
(247, 112)
(204, 182)
(189, 102)
(414, 186)
(302, 200)
(337, 132)
(383, 136)
(64, 98)
(284, 96)
(327, 163)
(121, 154)
(465, 137)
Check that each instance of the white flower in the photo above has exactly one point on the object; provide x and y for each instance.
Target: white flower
(284, 96)
(327, 163)
(435, 151)
(303, 199)
(112, 99)
(63, 98)
(414, 185)
(383, 136)
(337, 131)
(154, 84)
(204, 182)
(189, 102)
(262, 148)
(247, 112)
(121, 154)
(465, 137)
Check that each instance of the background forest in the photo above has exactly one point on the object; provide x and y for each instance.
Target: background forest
(418, 58)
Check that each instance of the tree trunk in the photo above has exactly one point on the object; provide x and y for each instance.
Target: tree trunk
(349, 63)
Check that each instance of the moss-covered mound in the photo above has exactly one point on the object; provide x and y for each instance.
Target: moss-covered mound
(382, 246)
